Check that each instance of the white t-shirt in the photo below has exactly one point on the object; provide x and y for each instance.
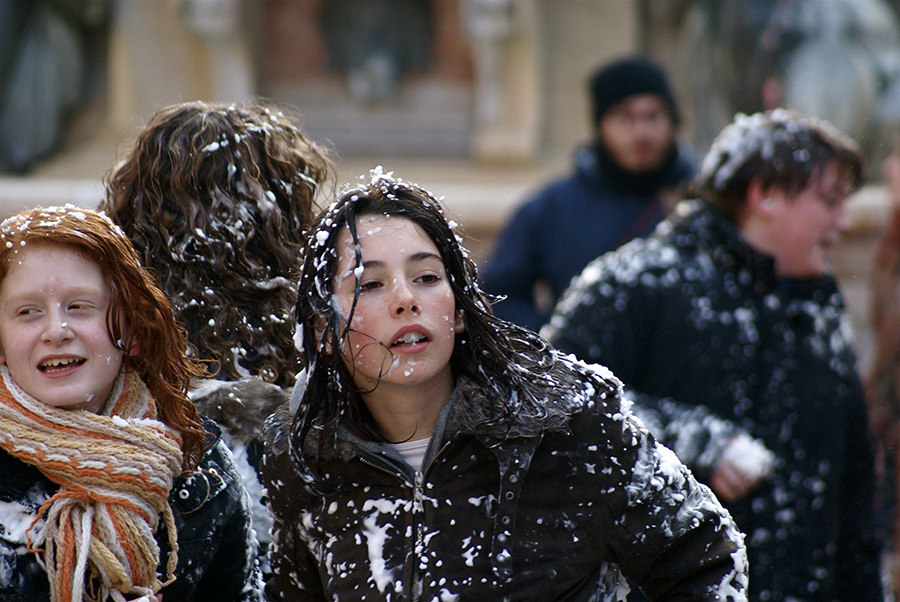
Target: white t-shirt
(413, 451)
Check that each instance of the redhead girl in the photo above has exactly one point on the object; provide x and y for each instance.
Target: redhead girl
(112, 487)
(436, 452)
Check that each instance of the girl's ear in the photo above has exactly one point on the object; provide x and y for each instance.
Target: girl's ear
(459, 323)
(320, 332)
(135, 349)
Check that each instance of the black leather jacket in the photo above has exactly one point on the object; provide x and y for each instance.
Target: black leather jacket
(566, 507)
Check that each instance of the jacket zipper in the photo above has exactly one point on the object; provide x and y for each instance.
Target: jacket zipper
(418, 492)
(395, 473)
(416, 501)
(420, 530)
(418, 496)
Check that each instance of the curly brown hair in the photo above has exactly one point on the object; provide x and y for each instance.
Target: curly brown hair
(215, 199)
(139, 314)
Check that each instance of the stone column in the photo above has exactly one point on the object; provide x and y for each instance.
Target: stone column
(507, 99)
(168, 51)
(532, 59)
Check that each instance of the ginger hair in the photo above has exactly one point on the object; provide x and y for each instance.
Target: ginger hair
(139, 316)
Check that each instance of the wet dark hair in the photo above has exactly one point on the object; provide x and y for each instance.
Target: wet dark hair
(508, 361)
(778, 148)
(216, 199)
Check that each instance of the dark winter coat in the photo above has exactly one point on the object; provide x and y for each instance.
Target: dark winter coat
(239, 408)
(216, 556)
(566, 225)
(695, 315)
(573, 499)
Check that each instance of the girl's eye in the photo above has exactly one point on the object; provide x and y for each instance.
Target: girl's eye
(81, 306)
(369, 286)
(430, 278)
(26, 311)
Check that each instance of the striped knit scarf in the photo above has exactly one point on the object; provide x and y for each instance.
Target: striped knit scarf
(115, 470)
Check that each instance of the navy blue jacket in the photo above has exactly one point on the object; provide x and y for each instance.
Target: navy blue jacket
(696, 315)
(567, 224)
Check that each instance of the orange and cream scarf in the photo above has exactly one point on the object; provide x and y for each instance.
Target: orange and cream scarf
(115, 470)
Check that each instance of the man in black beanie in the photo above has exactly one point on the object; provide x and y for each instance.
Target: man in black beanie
(623, 183)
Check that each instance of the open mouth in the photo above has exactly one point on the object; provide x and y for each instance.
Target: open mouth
(410, 338)
(60, 364)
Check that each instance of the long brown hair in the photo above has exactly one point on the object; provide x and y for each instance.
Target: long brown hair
(139, 314)
(215, 199)
(510, 362)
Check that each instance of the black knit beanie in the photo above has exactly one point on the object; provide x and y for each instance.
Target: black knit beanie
(627, 77)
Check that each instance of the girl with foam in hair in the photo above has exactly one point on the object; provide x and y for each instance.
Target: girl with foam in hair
(112, 487)
(436, 452)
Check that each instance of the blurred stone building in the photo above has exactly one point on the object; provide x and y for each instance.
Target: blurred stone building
(479, 101)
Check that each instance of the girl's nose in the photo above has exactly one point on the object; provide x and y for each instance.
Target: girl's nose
(56, 328)
(404, 299)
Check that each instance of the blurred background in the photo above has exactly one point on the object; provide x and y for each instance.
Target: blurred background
(480, 101)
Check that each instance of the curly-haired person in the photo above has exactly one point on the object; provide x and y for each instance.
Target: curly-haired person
(215, 199)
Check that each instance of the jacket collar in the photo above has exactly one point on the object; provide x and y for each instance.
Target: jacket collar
(696, 223)
(466, 412)
(23, 482)
(462, 414)
(679, 170)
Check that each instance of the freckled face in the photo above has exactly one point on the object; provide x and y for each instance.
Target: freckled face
(53, 334)
(404, 326)
(808, 224)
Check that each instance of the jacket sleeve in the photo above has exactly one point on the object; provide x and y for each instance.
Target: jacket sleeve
(668, 533)
(233, 564)
(295, 575)
(696, 435)
(233, 572)
(514, 269)
(614, 330)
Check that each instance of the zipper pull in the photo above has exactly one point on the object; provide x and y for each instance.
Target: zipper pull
(419, 489)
